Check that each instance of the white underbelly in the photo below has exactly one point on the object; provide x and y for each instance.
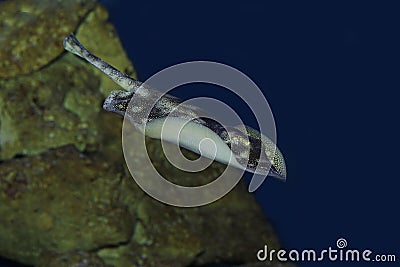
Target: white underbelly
(194, 137)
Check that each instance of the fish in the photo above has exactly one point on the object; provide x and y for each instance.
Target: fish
(239, 146)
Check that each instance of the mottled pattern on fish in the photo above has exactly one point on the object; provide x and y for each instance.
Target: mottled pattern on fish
(251, 149)
(167, 105)
(118, 102)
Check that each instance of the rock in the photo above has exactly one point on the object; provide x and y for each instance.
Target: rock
(66, 196)
(72, 259)
(32, 31)
(61, 104)
(92, 32)
(60, 201)
(57, 106)
(63, 201)
(230, 230)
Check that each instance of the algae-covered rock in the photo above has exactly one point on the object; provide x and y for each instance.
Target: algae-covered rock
(61, 103)
(72, 259)
(60, 201)
(230, 230)
(66, 197)
(37, 112)
(93, 32)
(31, 32)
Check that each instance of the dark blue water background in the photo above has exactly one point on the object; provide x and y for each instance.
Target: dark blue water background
(328, 71)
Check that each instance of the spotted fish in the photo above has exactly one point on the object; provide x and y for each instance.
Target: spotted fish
(241, 147)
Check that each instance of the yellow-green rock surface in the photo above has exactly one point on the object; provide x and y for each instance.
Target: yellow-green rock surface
(32, 31)
(66, 198)
(60, 104)
(60, 201)
(76, 258)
